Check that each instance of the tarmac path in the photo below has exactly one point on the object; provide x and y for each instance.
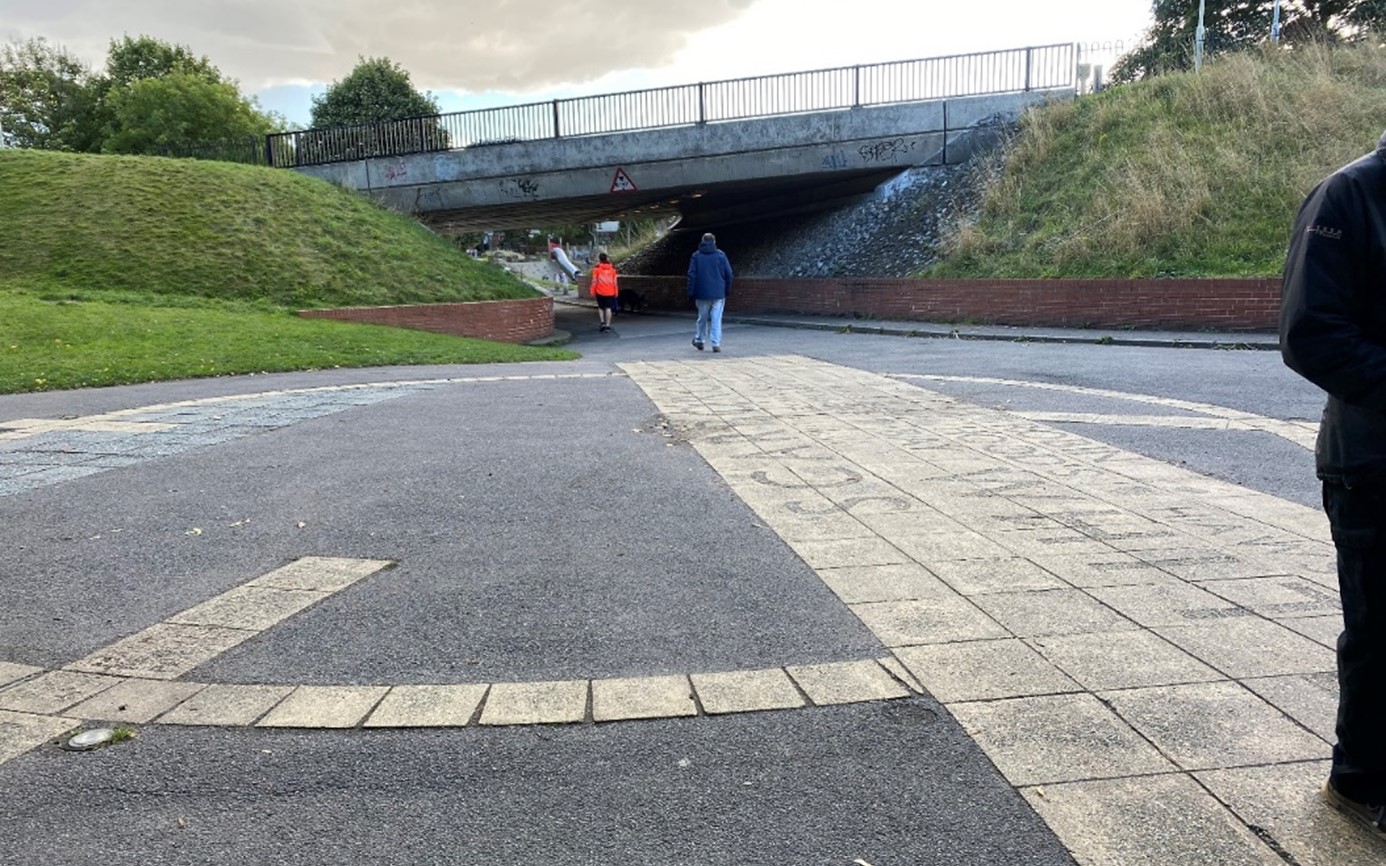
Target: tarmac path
(823, 598)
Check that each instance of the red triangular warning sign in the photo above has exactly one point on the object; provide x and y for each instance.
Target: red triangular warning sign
(622, 182)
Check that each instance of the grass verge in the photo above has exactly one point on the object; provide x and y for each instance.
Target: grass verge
(52, 345)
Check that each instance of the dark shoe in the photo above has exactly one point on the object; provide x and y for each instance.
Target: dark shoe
(716, 348)
(1371, 816)
(698, 344)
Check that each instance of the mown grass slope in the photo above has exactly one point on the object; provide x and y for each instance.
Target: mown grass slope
(72, 225)
(1192, 174)
(115, 270)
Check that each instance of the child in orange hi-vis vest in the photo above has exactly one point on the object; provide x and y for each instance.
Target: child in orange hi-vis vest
(604, 289)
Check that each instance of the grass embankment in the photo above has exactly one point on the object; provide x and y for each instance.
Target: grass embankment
(1192, 174)
(116, 270)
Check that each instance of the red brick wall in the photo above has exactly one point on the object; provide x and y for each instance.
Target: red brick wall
(1225, 305)
(504, 321)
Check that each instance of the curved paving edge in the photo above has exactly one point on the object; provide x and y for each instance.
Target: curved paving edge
(48, 703)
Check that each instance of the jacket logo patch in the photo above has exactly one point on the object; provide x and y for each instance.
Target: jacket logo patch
(1331, 234)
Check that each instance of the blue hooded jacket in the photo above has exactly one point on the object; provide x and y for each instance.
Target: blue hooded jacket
(709, 273)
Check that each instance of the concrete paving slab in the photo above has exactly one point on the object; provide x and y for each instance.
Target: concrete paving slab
(323, 707)
(1214, 725)
(249, 608)
(10, 672)
(1323, 630)
(846, 682)
(21, 732)
(163, 651)
(936, 620)
(226, 705)
(427, 706)
(1251, 647)
(1310, 699)
(1040, 613)
(538, 703)
(54, 691)
(1122, 659)
(642, 698)
(1155, 821)
(321, 573)
(1111, 569)
(978, 576)
(1283, 800)
(136, 701)
(746, 691)
(1283, 597)
(855, 585)
(1167, 604)
(932, 548)
(1057, 738)
(983, 670)
(847, 553)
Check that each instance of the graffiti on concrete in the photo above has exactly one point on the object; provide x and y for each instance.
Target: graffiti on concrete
(520, 187)
(889, 150)
(396, 171)
(836, 159)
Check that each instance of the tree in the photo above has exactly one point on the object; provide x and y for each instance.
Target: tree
(386, 115)
(46, 97)
(377, 89)
(1232, 25)
(143, 57)
(178, 112)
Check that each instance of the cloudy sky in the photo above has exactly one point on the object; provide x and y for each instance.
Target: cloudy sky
(474, 53)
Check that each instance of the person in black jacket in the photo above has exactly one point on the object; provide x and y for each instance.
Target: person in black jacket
(1333, 333)
(709, 283)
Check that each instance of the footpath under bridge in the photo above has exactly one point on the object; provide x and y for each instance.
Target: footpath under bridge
(715, 152)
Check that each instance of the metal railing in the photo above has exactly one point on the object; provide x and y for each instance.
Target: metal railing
(1044, 67)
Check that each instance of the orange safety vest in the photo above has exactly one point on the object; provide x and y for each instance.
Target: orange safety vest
(604, 280)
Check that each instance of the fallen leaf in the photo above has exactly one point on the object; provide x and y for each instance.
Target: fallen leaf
(194, 531)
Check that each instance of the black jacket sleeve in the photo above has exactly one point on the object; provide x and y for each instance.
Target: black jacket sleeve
(1331, 285)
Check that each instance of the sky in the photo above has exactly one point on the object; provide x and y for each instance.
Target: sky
(475, 54)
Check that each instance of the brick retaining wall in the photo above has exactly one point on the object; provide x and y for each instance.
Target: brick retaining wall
(1216, 304)
(505, 321)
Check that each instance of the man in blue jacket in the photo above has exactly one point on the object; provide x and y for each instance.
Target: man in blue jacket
(1333, 333)
(709, 283)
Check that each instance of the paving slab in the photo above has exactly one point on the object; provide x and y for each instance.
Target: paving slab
(323, 707)
(427, 706)
(1166, 820)
(983, 670)
(226, 705)
(1283, 800)
(746, 691)
(642, 698)
(1214, 725)
(1057, 738)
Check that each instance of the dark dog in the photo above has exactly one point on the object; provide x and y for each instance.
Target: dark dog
(631, 301)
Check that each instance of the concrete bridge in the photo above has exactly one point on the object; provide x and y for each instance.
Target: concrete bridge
(695, 150)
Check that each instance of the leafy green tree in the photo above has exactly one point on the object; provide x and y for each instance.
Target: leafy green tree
(177, 112)
(47, 98)
(384, 111)
(377, 89)
(1232, 25)
(137, 58)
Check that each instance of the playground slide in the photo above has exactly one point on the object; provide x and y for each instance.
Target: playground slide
(564, 262)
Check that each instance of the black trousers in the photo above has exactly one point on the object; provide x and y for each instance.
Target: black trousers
(1357, 516)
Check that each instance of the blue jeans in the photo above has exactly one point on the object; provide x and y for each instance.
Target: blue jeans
(1357, 516)
(709, 328)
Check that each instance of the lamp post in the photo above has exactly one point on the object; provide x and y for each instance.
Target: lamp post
(1275, 24)
(1198, 39)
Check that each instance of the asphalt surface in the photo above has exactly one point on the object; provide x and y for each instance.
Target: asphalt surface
(544, 529)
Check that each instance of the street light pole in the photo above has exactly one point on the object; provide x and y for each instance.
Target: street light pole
(1275, 24)
(1198, 39)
